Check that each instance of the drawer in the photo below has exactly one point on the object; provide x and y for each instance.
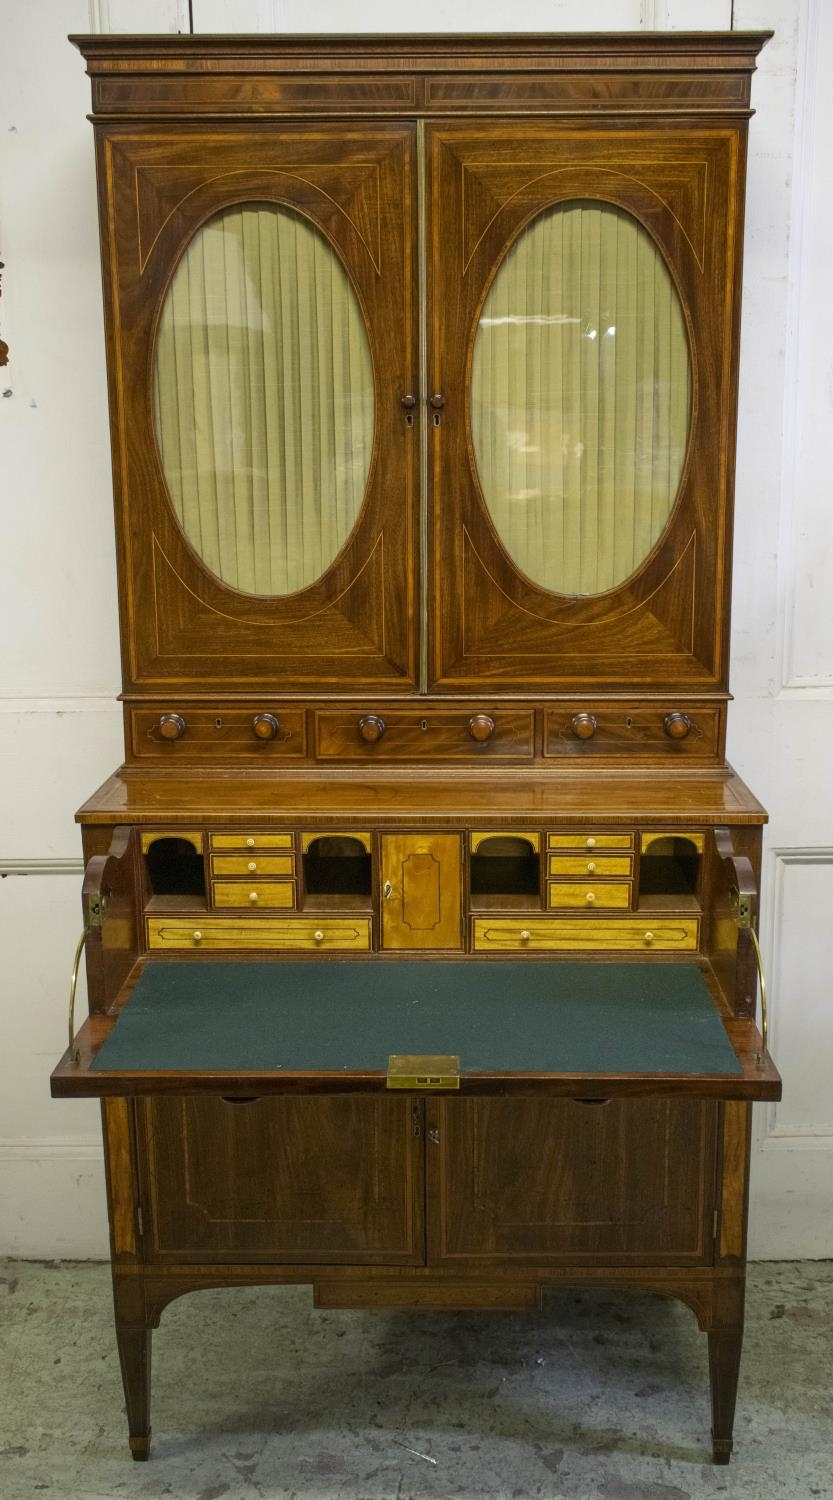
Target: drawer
(572, 934)
(627, 732)
(286, 934)
(242, 893)
(216, 733)
(590, 894)
(248, 864)
(251, 841)
(441, 734)
(588, 864)
(582, 839)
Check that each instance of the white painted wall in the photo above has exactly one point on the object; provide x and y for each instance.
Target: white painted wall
(59, 726)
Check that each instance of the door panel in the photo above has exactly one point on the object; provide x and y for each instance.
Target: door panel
(320, 1180)
(553, 1179)
(248, 258)
(678, 196)
(421, 891)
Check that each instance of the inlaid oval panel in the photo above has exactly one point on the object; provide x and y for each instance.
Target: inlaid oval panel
(581, 398)
(263, 399)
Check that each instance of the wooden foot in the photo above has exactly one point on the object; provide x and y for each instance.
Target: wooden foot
(724, 1364)
(134, 1353)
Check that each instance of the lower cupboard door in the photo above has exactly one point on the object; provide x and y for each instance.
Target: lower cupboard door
(297, 1179)
(621, 1182)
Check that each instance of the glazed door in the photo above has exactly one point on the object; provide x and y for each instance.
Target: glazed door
(583, 294)
(421, 891)
(303, 1179)
(537, 1180)
(261, 303)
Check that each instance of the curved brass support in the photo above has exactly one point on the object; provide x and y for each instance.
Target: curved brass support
(74, 1054)
(762, 1055)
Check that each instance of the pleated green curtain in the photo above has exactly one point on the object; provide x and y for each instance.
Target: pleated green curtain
(263, 399)
(581, 398)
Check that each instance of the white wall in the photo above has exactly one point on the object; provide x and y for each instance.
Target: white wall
(59, 724)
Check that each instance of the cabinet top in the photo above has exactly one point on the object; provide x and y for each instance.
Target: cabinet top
(596, 73)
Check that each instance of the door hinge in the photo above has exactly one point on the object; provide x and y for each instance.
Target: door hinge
(715, 1221)
(416, 1120)
(140, 1221)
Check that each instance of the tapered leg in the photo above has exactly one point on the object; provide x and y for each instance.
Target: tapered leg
(724, 1364)
(134, 1353)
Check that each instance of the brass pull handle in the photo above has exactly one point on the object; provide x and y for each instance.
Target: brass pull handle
(590, 898)
(250, 843)
(762, 1055)
(590, 843)
(591, 867)
(74, 1054)
(197, 936)
(253, 896)
(648, 937)
(252, 865)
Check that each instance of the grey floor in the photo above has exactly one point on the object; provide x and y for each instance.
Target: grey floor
(258, 1395)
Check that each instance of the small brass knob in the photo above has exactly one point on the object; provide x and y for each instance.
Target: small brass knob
(172, 726)
(252, 865)
(265, 726)
(318, 936)
(371, 728)
(649, 938)
(250, 843)
(584, 726)
(590, 898)
(591, 867)
(525, 935)
(676, 726)
(481, 727)
(590, 844)
(198, 936)
(253, 896)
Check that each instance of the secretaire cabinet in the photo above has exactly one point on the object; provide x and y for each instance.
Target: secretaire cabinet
(420, 920)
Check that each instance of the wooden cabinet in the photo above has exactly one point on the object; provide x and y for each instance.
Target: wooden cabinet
(422, 360)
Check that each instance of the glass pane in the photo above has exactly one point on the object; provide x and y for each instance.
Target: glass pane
(581, 394)
(263, 396)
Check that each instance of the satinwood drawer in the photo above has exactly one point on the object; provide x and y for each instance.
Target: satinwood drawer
(251, 841)
(242, 893)
(572, 934)
(285, 933)
(590, 894)
(582, 838)
(247, 864)
(588, 864)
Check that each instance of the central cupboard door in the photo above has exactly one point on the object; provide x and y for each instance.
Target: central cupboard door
(421, 891)
(583, 292)
(262, 293)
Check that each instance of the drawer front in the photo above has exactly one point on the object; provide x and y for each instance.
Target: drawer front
(586, 864)
(636, 733)
(433, 735)
(619, 934)
(587, 894)
(242, 893)
(247, 864)
(344, 934)
(217, 734)
(584, 839)
(251, 840)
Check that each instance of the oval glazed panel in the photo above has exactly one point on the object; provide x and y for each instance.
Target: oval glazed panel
(263, 399)
(581, 398)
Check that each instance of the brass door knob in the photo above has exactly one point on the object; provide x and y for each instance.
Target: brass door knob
(265, 726)
(676, 726)
(371, 728)
(481, 727)
(584, 726)
(172, 726)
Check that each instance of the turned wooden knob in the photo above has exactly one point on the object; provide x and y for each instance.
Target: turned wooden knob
(172, 726)
(676, 726)
(253, 896)
(584, 726)
(371, 728)
(481, 727)
(265, 726)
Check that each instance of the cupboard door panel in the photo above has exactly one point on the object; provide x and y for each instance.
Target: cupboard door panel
(421, 892)
(579, 520)
(267, 497)
(319, 1180)
(551, 1179)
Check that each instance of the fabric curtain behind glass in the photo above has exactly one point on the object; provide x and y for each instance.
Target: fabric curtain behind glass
(263, 399)
(581, 398)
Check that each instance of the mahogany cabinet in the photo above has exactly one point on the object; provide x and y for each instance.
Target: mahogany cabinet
(420, 918)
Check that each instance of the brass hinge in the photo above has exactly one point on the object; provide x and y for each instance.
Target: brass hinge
(715, 1224)
(140, 1221)
(408, 1072)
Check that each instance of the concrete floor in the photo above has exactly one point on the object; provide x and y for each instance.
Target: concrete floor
(257, 1395)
